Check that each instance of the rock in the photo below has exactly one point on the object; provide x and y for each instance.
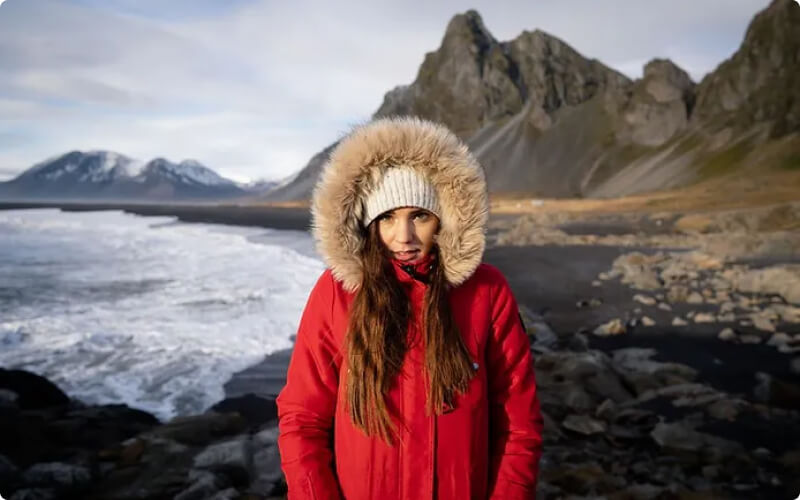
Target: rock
(794, 366)
(725, 409)
(685, 394)
(35, 494)
(583, 424)
(750, 339)
(776, 392)
(643, 373)
(597, 283)
(710, 471)
(788, 349)
(778, 339)
(695, 223)
(8, 470)
(266, 437)
(228, 494)
(256, 410)
(726, 318)
(200, 430)
(678, 321)
(695, 298)
(677, 294)
(8, 398)
(606, 409)
(786, 313)
(204, 485)
(727, 307)
(613, 327)
(644, 299)
(224, 455)
(647, 321)
(578, 399)
(544, 338)
(676, 436)
(267, 465)
(33, 391)
(762, 322)
(783, 280)
(679, 437)
(641, 492)
(585, 377)
(637, 270)
(704, 318)
(57, 474)
(727, 334)
(664, 306)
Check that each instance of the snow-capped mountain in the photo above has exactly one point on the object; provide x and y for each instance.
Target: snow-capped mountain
(104, 175)
(260, 186)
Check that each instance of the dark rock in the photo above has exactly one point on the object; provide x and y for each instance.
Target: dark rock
(55, 434)
(584, 425)
(57, 475)
(203, 485)
(7, 470)
(254, 409)
(776, 392)
(34, 494)
(201, 429)
(268, 473)
(33, 391)
(230, 458)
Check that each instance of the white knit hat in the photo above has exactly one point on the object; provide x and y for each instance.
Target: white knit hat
(400, 187)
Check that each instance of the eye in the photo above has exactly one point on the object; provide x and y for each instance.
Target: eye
(422, 216)
(385, 216)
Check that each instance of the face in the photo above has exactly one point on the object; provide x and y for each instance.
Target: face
(408, 233)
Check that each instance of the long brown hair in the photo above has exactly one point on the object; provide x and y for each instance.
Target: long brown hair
(376, 341)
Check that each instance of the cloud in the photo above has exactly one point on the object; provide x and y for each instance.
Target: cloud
(256, 87)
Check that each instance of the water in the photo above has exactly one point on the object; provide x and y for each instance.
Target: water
(146, 311)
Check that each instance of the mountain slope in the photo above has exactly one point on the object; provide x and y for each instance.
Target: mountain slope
(546, 121)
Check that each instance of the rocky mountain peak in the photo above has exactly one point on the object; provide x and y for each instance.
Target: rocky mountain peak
(760, 83)
(467, 27)
(668, 72)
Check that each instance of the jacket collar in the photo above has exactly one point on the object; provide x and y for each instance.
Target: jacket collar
(419, 271)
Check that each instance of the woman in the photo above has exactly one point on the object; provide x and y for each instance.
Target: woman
(411, 376)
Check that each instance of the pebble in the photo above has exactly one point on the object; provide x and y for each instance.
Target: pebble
(727, 335)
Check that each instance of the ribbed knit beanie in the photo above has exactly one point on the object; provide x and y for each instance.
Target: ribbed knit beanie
(400, 187)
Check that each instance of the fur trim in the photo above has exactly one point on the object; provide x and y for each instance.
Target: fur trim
(357, 164)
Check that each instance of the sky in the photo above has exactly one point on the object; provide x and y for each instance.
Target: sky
(254, 88)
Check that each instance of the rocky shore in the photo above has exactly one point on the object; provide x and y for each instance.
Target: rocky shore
(666, 349)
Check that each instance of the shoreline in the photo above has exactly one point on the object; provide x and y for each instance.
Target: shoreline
(562, 278)
(293, 218)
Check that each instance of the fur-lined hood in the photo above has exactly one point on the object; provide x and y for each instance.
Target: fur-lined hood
(357, 164)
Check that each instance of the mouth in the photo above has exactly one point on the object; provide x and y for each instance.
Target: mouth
(406, 255)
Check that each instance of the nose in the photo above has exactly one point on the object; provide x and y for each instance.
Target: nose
(405, 230)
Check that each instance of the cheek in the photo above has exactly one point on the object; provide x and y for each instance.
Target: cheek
(385, 233)
(429, 236)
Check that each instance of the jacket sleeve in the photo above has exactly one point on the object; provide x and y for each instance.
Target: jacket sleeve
(515, 417)
(307, 403)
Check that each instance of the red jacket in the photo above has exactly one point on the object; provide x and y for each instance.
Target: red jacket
(487, 446)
